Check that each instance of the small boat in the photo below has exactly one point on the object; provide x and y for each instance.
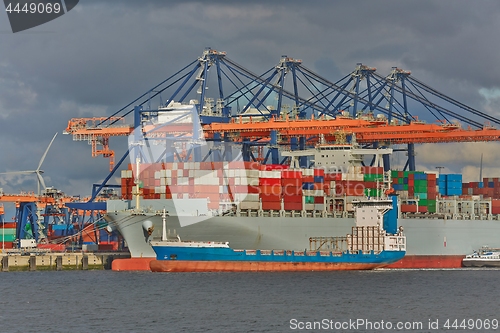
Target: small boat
(485, 257)
(369, 246)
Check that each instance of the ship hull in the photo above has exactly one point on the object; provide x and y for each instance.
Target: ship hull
(431, 243)
(238, 266)
(481, 262)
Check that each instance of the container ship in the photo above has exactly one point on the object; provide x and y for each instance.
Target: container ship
(374, 242)
(269, 207)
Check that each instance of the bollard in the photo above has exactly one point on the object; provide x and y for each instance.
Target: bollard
(32, 263)
(5, 264)
(59, 263)
(85, 262)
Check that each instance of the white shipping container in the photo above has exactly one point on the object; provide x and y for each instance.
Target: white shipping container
(169, 181)
(252, 173)
(163, 196)
(308, 206)
(191, 173)
(253, 181)
(254, 197)
(180, 173)
(163, 173)
(163, 181)
(130, 174)
(182, 181)
(157, 174)
(249, 205)
(123, 174)
(319, 207)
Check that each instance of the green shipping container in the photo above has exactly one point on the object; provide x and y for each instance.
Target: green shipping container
(420, 183)
(394, 174)
(7, 238)
(7, 231)
(420, 189)
(405, 187)
(372, 178)
(423, 202)
(309, 200)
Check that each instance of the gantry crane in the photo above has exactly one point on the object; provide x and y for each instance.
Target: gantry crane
(292, 105)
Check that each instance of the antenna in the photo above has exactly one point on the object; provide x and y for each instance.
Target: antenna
(481, 169)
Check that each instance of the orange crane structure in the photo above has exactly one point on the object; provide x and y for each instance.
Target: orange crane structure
(366, 131)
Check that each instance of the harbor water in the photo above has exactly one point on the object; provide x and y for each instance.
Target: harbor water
(347, 301)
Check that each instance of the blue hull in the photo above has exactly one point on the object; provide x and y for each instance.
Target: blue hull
(171, 253)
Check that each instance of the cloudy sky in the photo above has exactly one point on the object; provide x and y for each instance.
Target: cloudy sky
(103, 54)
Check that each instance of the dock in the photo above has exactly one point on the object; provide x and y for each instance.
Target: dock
(51, 261)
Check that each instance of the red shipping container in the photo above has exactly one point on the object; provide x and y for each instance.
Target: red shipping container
(291, 182)
(270, 197)
(431, 196)
(276, 190)
(292, 198)
(319, 200)
(292, 190)
(291, 174)
(7, 225)
(408, 208)
(253, 189)
(319, 172)
(422, 209)
(8, 245)
(271, 205)
(308, 179)
(292, 206)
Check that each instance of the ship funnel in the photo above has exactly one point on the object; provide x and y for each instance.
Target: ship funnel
(391, 217)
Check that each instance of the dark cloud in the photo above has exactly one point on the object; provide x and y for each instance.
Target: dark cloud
(102, 55)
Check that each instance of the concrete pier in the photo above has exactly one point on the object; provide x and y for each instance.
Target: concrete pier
(11, 262)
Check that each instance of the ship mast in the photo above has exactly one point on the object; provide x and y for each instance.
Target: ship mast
(137, 181)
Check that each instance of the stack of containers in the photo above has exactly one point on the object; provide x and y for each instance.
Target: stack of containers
(291, 182)
(419, 189)
(488, 188)
(308, 188)
(320, 188)
(270, 190)
(331, 181)
(416, 185)
(7, 234)
(371, 177)
(495, 206)
(248, 183)
(431, 192)
(450, 184)
(352, 183)
(218, 182)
